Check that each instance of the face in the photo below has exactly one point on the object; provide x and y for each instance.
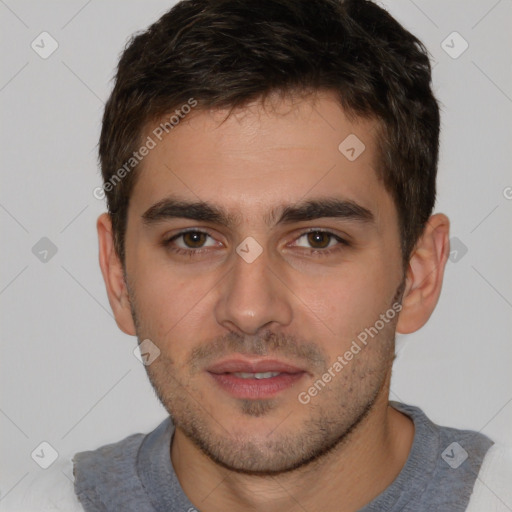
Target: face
(257, 258)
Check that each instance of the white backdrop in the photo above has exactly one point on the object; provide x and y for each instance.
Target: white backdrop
(68, 375)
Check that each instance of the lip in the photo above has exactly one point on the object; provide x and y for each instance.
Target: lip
(253, 366)
(238, 387)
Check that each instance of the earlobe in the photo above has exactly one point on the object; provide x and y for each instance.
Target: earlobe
(424, 276)
(113, 275)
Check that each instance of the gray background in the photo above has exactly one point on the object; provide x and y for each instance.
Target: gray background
(69, 376)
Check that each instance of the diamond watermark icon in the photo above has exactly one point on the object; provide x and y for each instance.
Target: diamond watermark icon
(454, 45)
(351, 147)
(249, 249)
(458, 249)
(44, 455)
(44, 45)
(146, 352)
(44, 250)
(454, 455)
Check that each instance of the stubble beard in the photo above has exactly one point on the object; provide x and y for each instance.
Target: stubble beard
(332, 416)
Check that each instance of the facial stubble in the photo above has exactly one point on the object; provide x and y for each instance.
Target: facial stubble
(315, 429)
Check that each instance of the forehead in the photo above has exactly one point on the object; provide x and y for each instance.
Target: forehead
(253, 158)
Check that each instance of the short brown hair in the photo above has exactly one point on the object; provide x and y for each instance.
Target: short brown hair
(227, 53)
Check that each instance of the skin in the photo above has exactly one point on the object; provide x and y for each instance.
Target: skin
(295, 302)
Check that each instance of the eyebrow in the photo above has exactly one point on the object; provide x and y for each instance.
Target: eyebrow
(330, 207)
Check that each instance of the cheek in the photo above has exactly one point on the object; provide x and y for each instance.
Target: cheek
(342, 304)
(169, 302)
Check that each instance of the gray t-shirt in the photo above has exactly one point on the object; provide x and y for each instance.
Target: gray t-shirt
(136, 474)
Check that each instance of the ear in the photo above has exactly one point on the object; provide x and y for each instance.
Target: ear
(113, 275)
(424, 276)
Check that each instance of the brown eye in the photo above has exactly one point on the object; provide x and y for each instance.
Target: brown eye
(194, 239)
(192, 243)
(319, 239)
(320, 242)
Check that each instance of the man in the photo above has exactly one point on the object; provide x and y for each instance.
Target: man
(269, 168)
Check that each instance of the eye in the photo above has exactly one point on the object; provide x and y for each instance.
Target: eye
(319, 240)
(190, 240)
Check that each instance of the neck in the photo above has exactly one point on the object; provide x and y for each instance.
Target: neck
(345, 479)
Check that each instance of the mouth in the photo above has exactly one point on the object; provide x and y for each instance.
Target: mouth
(255, 379)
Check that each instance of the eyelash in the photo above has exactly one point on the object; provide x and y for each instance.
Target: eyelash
(167, 243)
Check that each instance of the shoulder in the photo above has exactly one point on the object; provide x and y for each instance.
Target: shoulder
(492, 491)
(50, 490)
(109, 456)
(53, 489)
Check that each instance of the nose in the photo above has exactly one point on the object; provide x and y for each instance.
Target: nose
(252, 298)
